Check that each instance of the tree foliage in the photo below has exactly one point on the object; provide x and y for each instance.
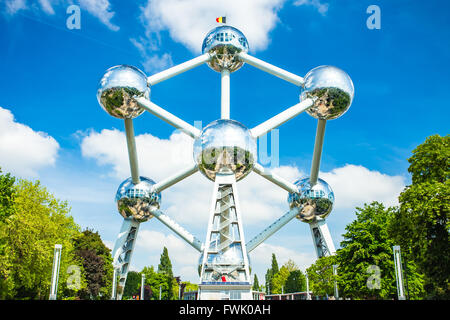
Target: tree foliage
(132, 285)
(421, 226)
(97, 264)
(320, 275)
(295, 282)
(39, 221)
(255, 283)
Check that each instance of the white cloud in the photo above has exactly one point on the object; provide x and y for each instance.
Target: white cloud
(188, 21)
(320, 6)
(152, 62)
(24, 151)
(262, 255)
(12, 6)
(100, 9)
(183, 257)
(356, 185)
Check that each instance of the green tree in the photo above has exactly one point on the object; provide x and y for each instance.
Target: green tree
(132, 285)
(97, 263)
(156, 280)
(255, 283)
(320, 275)
(268, 278)
(275, 268)
(38, 223)
(165, 268)
(421, 226)
(366, 266)
(7, 192)
(295, 282)
(279, 280)
(165, 265)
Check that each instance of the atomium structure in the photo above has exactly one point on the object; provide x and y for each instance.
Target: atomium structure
(225, 151)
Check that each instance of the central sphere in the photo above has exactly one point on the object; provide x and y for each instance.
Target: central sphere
(137, 200)
(225, 146)
(224, 43)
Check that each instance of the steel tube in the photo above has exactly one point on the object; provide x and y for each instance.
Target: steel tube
(270, 230)
(176, 70)
(318, 145)
(281, 118)
(168, 182)
(284, 184)
(267, 67)
(225, 94)
(132, 154)
(168, 117)
(179, 230)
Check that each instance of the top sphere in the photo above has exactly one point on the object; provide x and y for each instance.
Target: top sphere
(224, 43)
(118, 88)
(331, 89)
(137, 200)
(316, 200)
(225, 146)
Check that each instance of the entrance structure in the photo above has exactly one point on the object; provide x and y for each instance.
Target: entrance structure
(225, 151)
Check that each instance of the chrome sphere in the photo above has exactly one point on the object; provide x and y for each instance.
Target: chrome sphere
(331, 89)
(225, 146)
(137, 200)
(224, 43)
(118, 88)
(317, 201)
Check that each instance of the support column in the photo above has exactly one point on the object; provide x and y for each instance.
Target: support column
(225, 94)
(123, 250)
(398, 273)
(55, 271)
(323, 243)
(225, 267)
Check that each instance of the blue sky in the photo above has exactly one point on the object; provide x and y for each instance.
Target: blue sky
(54, 130)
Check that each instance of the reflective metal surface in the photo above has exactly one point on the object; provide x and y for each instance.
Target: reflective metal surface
(227, 263)
(137, 201)
(224, 43)
(331, 88)
(117, 90)
(225, 146)
(317, 201)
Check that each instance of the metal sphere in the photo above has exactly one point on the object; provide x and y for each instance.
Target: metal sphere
(331, 89)
(225, 146)
(118, 88)
(137, 200)
(317, 201)
(224, 43)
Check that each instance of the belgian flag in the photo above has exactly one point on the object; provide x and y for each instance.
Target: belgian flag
(221, 20)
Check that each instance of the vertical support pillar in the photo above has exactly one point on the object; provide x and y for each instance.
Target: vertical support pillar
(225, 267)
(55, 272)
(317, 155)
(336, 292)
(132, 154)
(398, 272)
(308, 296)
(323, 243)
(142, 286)
(123, 250)
(114, 284)
(225, 94)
